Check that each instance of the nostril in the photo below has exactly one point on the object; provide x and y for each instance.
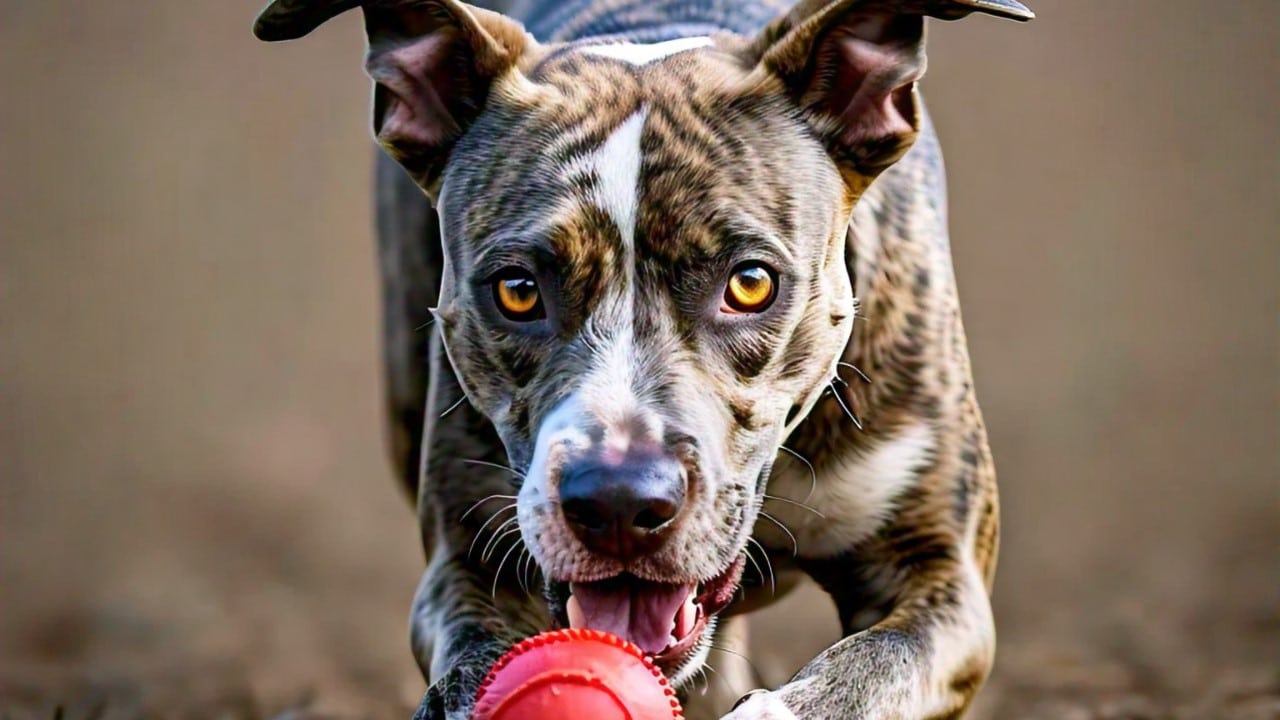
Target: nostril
(654, 516)
(585, 514)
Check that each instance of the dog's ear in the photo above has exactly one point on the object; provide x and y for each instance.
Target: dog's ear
(852, 66)
(433, 63)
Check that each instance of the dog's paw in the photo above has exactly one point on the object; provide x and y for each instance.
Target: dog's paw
(432, 706)
(452, 697)
(760, 705)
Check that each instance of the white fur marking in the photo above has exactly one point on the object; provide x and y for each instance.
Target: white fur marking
(560, 430)
(765, 706)
(604, 397)
(968, 636)
(616, 165)
(855, 495)
(644, 54)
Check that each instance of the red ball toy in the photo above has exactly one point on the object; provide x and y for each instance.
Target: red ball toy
(576, 673)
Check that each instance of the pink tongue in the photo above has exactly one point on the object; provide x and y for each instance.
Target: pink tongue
(639, 611)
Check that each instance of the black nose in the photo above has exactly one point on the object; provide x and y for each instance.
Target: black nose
(622, 510)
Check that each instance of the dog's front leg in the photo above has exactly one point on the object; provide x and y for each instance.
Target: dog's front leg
(459, 628)
(925, 659)
(476, 598)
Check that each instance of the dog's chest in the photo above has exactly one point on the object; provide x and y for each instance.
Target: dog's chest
(820, 509)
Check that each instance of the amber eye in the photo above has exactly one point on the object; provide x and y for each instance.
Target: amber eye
(516, 293)
(751, 289)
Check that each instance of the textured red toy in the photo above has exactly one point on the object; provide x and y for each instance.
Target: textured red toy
(576, 674)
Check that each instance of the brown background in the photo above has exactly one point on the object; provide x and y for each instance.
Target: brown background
(196, 514)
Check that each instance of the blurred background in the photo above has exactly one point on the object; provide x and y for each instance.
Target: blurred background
(196, 514)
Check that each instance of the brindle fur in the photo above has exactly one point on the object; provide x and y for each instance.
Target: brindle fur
(911, 586)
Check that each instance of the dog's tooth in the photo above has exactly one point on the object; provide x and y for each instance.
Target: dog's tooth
(673, 635)
(574, 610)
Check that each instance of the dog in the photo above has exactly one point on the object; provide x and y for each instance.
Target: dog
(670, 321)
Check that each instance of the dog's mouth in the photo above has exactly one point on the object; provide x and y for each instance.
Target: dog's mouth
(665, 620)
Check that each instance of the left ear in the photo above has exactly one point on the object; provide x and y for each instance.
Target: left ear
(852, 66)
(433, 63)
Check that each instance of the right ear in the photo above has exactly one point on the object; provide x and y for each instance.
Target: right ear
(433, 62)
(852, 67)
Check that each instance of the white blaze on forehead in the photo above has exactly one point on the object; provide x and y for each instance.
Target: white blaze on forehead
(611, 396)
(638, 54)
(617, 165)
(605, 396)
(608, 390)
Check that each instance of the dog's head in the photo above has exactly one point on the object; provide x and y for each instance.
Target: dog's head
(645, 287)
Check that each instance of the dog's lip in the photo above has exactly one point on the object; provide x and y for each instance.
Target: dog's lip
(709, 599)
(715, 594)
(713, 597)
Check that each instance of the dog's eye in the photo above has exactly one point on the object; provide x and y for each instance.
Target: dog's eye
(751, 288)
(516, 293)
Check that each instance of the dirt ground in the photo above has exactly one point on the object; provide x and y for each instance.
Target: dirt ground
(196, 517)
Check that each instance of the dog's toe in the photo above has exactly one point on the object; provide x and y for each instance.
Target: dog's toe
(760, 705)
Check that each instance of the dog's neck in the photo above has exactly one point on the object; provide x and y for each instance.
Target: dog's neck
(638, 21)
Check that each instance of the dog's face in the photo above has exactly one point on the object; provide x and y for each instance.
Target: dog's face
(645, 285)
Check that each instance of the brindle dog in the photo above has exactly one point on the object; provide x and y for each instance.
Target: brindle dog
(654, 222)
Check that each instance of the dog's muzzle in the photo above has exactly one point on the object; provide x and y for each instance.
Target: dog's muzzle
(626, 509)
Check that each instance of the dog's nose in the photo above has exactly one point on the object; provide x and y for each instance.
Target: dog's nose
(623, 510)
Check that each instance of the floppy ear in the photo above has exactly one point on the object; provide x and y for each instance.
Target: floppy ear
(433, 62)
(852, 65)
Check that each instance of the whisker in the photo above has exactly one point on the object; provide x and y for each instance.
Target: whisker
(751, 559)
(797, 503)
(482, 501)
(723, 680)
(424, 325)
(854, 368)
(493, 592)
(501, 540)
(813, 474)
(535, 572)
(840, 399)
(453, 407)
(745, 659)
(526, 571)
(496, 538)
(703, 681)
(498, 466)
(773, 587)
(795, 547)
(480, 532)
(519, 577)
